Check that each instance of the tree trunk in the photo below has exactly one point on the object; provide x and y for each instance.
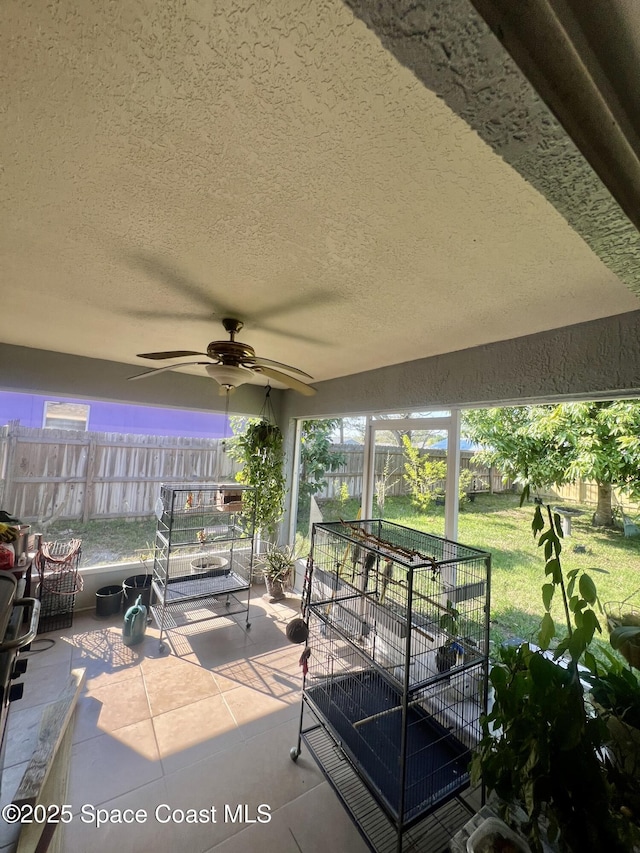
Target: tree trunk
(603, 516)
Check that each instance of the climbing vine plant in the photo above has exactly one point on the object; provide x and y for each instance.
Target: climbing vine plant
(260, 450)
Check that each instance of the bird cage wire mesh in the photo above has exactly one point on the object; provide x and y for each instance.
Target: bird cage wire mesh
(398, 660)
(199, 522)
(59, 582)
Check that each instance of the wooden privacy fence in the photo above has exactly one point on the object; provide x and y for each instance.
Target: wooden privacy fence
(389, 470)
(49, 473)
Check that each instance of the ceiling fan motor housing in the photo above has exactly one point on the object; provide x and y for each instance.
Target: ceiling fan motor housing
(230, 352)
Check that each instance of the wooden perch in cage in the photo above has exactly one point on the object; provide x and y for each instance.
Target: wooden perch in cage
(369, 538)
(393, 710)
(432, 695)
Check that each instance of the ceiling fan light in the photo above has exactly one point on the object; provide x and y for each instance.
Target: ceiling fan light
(229, 376)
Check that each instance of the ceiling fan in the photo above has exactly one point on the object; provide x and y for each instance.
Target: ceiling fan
(232, 363)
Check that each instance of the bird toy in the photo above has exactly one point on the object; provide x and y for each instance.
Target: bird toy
(304, 661)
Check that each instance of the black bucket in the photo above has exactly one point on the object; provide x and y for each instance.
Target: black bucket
(133, 587)
(108, 601)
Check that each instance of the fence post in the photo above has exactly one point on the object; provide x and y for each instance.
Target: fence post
(89, 481)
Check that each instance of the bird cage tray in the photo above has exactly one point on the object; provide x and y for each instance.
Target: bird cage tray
(363, 712)
(204, 584)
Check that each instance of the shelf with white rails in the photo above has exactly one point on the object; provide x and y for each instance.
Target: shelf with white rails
(203, 555)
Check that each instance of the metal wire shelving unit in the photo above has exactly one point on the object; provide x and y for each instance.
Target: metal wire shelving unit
(203, 556)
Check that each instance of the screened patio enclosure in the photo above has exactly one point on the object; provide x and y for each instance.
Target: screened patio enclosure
(376, 452)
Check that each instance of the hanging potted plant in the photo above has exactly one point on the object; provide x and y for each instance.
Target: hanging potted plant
(260, 450)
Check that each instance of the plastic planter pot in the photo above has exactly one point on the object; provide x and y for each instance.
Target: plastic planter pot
(108, 601)
(133, 587)
(210, 565)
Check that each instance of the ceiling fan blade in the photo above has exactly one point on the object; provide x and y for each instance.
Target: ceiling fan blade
(287, 333)
(187, 316)
(179, 353)
(268, 362)
(313, 299)
(167, 367)
(157, 269)
(295, 384)
(160, 270)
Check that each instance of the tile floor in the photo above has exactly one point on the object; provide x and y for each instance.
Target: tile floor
(208, 722)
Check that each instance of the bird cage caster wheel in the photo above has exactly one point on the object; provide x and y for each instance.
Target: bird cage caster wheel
(294, 752)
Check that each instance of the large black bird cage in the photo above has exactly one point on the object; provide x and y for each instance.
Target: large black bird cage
(396, 674)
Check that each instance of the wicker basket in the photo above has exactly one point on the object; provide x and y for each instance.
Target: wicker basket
(625, 614)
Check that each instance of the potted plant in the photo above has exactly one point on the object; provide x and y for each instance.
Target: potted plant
(623, 621)
(615, 691)
(616, 696)
(541, 750)
(279, 562)
(260, 450)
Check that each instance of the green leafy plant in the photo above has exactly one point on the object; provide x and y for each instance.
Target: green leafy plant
(317, 456)
(343, 495)
(260, 450)
(541, 744)
(465, 479)
(616, 688)
(544, 445)
(384, 482)
(279, 562)
(615, 692)
(422, 475)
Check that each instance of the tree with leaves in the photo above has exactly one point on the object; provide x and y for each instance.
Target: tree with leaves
(422, 474)
(317, 456)
(554, 445)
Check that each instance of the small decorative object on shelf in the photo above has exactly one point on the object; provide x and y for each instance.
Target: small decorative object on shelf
(203, 554)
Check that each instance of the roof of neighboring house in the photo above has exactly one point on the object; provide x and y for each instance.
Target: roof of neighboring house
(465, 444)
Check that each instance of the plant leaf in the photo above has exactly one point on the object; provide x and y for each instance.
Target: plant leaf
(547, 595)
(578, 643)
(538, 522)
(587, 588)
(558, 524)
(590, 662)
(547, 631)
(551, 568)
(590, 624)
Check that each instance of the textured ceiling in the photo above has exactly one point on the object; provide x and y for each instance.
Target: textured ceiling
(175, 156)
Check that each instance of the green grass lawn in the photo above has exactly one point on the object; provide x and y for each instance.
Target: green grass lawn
(495, 523)
(109, 541)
